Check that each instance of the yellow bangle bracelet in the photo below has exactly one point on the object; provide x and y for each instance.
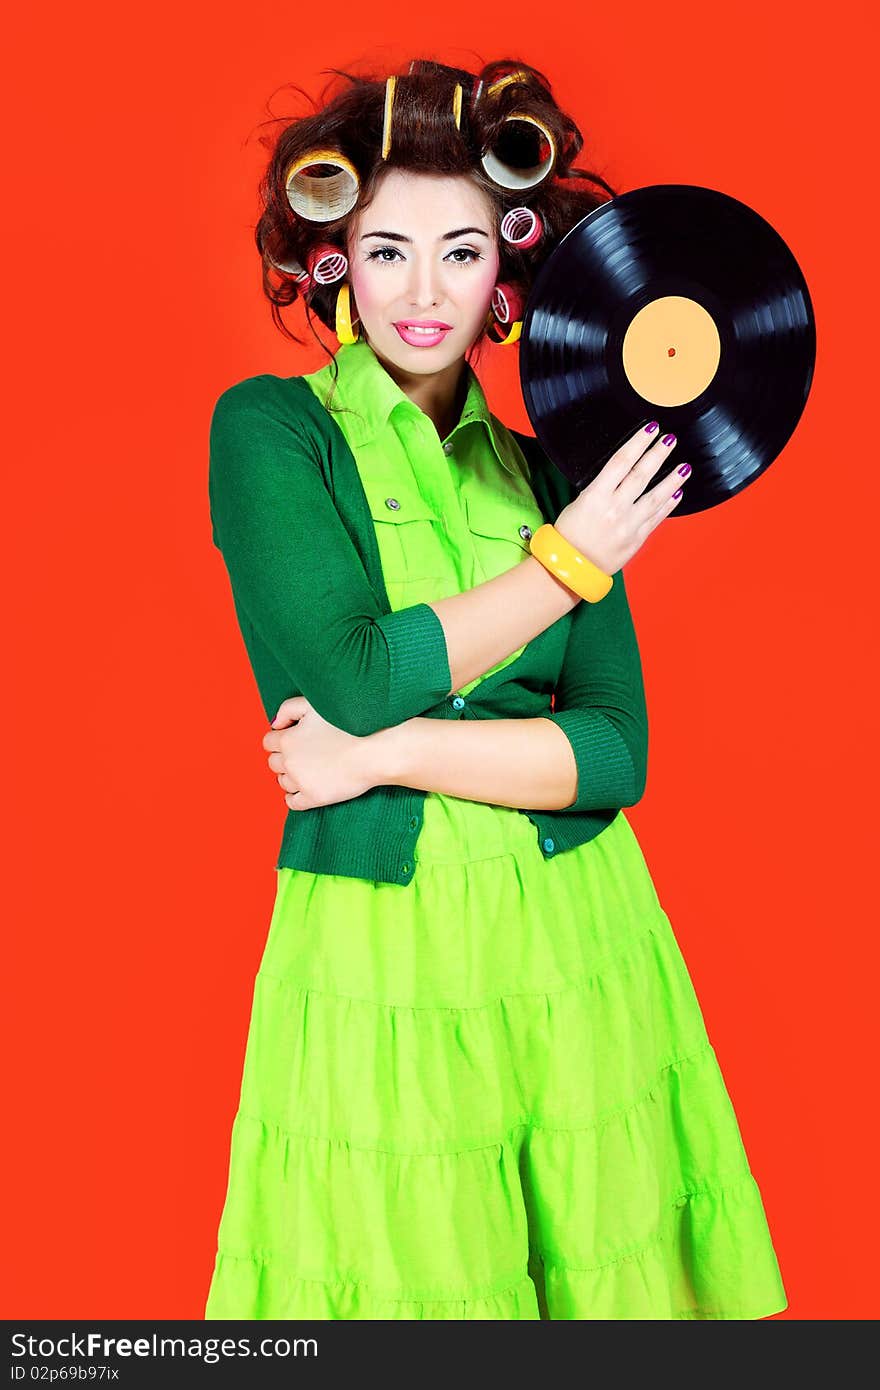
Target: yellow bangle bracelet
(561, 558)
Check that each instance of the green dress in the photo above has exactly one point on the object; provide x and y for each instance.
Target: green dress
(488, 1093)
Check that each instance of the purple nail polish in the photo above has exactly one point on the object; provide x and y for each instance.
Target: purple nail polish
(684, 469)
(678, 493)
(669, 439)
(654, 425)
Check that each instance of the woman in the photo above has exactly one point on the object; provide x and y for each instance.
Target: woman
(477, 1081)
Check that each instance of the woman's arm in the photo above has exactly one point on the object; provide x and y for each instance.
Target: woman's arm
(485, 624)
(508, 762)
(298, 580)
(600, 703)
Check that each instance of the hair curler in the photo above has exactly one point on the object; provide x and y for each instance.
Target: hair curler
(326, 264)
(322, 197)
(529, 153)
(521, 228)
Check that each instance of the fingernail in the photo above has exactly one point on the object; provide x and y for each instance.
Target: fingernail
(678, 493)
(684, 469)
(654, 425)
(668, 439)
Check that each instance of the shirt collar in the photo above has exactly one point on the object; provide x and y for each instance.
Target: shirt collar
(365, 387)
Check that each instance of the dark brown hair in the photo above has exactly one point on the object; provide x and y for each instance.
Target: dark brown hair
(425, 139)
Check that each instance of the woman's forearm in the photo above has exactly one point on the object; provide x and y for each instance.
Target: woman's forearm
(484, 625)
(525, 763)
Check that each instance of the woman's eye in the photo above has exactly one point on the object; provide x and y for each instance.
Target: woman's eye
(380, 253)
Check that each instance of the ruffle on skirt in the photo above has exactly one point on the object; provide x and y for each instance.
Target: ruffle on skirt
(486, 1094)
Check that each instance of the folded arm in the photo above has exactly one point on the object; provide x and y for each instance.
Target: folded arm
(595, 758)
(508, 762)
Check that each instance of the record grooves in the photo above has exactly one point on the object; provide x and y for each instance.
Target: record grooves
(674, 303)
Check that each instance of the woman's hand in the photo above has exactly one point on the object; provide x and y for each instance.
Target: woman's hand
(317, 764)
(613, 516)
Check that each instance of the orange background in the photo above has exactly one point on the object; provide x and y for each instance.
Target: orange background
(141, 820)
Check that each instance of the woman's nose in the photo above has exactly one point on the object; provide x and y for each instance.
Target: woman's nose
(424, 286)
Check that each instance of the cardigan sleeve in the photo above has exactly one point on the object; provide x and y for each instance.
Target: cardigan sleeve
(600, 703)
(297, 576)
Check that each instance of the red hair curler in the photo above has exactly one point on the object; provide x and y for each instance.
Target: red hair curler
(326, 264)
(521, 228)
(507, 304)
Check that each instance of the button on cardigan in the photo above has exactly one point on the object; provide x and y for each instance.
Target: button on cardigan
(304, 475)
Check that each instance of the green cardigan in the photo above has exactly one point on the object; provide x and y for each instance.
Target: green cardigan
(292, 522)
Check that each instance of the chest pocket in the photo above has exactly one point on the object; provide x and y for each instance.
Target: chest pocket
(407, 531)
(495, 521)
(501, 527)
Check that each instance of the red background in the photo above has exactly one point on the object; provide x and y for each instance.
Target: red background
(141, 820)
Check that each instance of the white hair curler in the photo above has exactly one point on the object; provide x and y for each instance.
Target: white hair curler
(529, 132)
(286, 265)
(290, 267)
(322, 197)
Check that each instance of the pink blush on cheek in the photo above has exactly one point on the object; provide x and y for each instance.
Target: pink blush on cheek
(362, 286)
(483, 284)
(487, 275)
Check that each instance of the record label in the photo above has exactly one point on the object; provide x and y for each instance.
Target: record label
(671, 350)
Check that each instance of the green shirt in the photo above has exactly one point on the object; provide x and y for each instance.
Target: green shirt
(331, 583)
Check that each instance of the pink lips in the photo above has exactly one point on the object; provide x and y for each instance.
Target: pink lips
(414, 338)
(421, 323)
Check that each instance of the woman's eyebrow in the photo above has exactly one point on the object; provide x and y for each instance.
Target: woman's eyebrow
(447, 236)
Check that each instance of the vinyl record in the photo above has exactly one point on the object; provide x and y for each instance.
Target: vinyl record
(674, 303)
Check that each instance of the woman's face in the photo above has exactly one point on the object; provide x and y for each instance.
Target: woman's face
(425, 249)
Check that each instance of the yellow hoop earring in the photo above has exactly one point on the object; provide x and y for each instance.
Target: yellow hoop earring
(512, 337)
(344, 331)
(492, 325)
